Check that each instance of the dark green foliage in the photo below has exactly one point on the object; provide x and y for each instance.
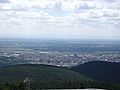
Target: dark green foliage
(38, 72)
(100, 70)
(38, 85)
(46, 77)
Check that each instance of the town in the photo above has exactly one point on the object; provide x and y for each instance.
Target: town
(13, 56)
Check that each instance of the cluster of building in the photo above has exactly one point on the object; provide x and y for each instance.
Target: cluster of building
(64, 59)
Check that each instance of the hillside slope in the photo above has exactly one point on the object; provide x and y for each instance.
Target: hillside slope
(46, 77)
(37, 72)
(100, 70)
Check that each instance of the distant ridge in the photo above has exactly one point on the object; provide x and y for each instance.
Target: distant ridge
(100, 70)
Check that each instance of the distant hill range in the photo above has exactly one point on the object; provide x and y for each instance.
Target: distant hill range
(100, 70)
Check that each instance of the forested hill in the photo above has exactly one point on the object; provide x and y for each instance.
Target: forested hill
(100, 70)
(37, 72)
(37, 77)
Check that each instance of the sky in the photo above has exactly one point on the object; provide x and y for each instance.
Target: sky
(60, 19)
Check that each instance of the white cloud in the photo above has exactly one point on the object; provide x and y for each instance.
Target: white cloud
(62, 18)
